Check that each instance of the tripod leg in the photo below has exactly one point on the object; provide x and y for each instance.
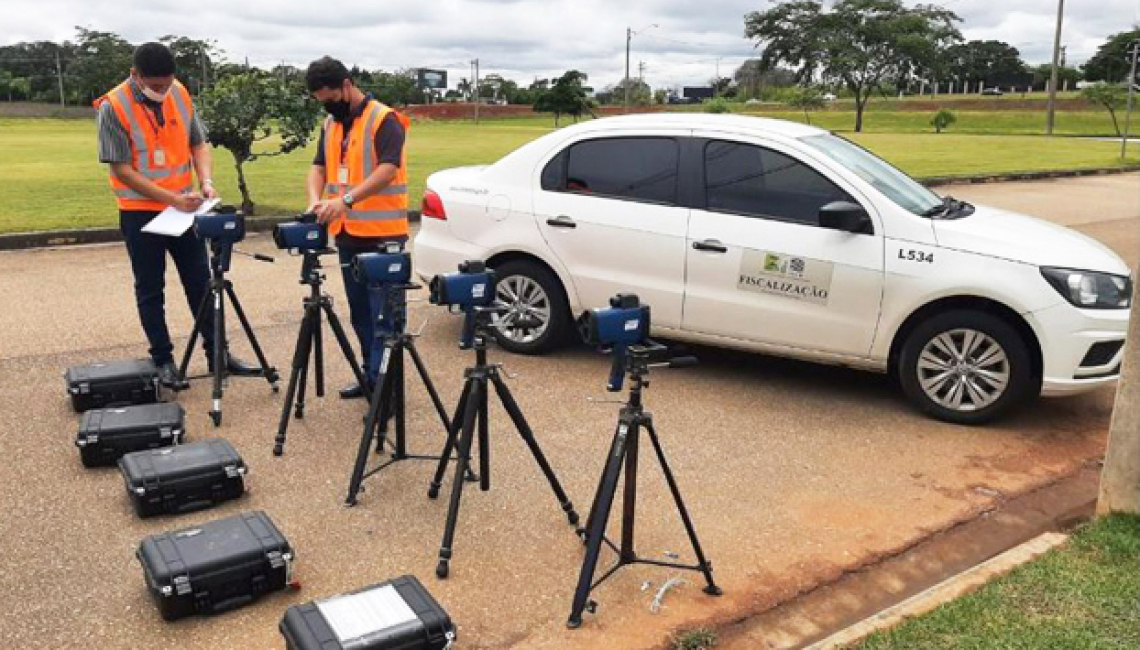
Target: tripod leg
(527, 434)
(300, 361)
(345, 346)
(304, 380)
(599, 517)
(629, 502)
(484, 443)
(270, 372)
(370, 423)
(319, 351)
(219, 357)
(399, 406)
(470, 415)
(706, 568)
(432, 392)
(452, 437)
(198, 318)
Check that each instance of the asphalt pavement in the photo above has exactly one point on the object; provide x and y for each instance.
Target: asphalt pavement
(793, 472)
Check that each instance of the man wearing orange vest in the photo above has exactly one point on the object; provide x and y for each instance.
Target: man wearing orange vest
(151, 139)
(358, 186)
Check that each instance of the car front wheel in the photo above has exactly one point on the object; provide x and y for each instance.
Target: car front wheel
(538, 318)
(965, 367)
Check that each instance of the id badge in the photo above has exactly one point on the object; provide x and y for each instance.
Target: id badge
(160, 158)
(342, 175)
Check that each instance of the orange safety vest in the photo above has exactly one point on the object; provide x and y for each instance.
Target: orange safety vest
(384, 214)
(160, 153)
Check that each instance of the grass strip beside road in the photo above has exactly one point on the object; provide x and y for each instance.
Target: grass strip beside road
(50, 177)
(1085, 594)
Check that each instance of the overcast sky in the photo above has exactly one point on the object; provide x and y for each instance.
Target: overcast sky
(520, 39)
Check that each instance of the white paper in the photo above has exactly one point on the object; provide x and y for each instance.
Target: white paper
(173, 222)
(354, 616)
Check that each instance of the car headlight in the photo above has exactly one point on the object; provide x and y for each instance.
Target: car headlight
(1091, 290)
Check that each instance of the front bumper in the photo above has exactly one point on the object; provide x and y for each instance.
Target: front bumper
(1067, 334)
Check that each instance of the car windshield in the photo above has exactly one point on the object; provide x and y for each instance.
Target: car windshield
(897, 186)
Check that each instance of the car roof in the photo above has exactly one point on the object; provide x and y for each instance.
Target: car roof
(738, 123)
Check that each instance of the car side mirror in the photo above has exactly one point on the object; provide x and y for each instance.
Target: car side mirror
(847, 217)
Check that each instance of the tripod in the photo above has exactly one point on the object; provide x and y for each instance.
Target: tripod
(221, 253)
(472, 413)
(624, 450)
(388, 394)
(309, 345)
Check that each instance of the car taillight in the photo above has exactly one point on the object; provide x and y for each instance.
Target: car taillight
(432, 206)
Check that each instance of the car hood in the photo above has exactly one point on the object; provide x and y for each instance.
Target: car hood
(1020, 238)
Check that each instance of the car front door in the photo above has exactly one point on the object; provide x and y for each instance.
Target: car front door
(608, 209)
(759, 265)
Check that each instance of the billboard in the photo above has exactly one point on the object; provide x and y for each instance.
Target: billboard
(431, 79)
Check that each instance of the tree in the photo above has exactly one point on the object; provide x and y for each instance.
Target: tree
(566, 97)
(942, 119)
(1065, 76)
(990, 62)
(194, 60)
(806, 98)
(639, 93)
(752, 79)
(1110, 63)
(722, 87)
(860, 43)
(242, 110)
(1110, 96)
(102, 60)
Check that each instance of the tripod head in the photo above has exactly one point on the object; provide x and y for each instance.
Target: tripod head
(222, 229)
(388, 273)
(471, 291)
(623, 330)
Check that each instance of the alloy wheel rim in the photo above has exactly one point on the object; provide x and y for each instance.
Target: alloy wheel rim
(963, 370)
(528, 309)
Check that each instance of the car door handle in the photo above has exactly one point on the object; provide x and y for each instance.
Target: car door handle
(561, 221)
(710, 245)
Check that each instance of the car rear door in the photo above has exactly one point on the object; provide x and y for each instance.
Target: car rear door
(608, 208)
(759, 266)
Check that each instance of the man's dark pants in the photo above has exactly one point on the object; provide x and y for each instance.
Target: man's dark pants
(148, 261)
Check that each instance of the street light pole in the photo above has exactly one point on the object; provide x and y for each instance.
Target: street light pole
(1131, 92)
(1054, 76)
(628, 38)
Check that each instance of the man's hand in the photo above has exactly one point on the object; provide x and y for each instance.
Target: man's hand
(329, 210)
(188, 202)
(208, 191)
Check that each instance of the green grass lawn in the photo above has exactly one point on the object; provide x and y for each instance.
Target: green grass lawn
(1084, 595)
(50, 178)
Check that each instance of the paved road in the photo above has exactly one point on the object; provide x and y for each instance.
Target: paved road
(793, 472)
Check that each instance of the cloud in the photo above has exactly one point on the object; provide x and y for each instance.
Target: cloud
(520, 39)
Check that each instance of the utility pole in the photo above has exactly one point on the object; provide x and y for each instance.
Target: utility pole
(202, 85)
(59, 76)
(1120, 480)
(1131, 93)
(1051, 119)
(475, 63)
(628, 38)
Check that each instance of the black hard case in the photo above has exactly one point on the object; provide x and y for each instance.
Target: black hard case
(114, 383)
(183, 478)
(216, 567)
(305, 627)
(105, 435)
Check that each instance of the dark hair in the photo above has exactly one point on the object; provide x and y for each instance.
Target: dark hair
(326, 72)
(154, 60)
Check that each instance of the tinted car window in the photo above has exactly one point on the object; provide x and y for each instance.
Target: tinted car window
(751, 180)
(642, 169)
(554, 174)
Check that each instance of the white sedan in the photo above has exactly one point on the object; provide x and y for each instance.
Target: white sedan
(780, 238)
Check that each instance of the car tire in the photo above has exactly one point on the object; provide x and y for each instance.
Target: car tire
(532, 292)
(965, 367)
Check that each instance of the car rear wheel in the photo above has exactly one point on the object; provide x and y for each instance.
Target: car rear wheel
(538, 319)
(965, 367)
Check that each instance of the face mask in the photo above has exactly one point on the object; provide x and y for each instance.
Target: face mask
(338, 109)
(154, 96)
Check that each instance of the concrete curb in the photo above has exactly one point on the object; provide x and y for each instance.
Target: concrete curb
(24, 240)
(944, 592)
(54, 238)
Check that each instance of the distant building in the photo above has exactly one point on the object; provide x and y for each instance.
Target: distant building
(698, 93)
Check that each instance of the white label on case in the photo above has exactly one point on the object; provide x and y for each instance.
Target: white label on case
(353, 616)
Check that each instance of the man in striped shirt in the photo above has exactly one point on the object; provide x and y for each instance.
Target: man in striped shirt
(149, 86)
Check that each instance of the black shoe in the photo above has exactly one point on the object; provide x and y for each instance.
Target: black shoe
(354, 391)
(235, 366)
(169, 376)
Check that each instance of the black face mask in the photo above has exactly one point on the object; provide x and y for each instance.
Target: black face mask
(338, 109)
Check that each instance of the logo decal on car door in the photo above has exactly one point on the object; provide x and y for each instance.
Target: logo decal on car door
(786, 276)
